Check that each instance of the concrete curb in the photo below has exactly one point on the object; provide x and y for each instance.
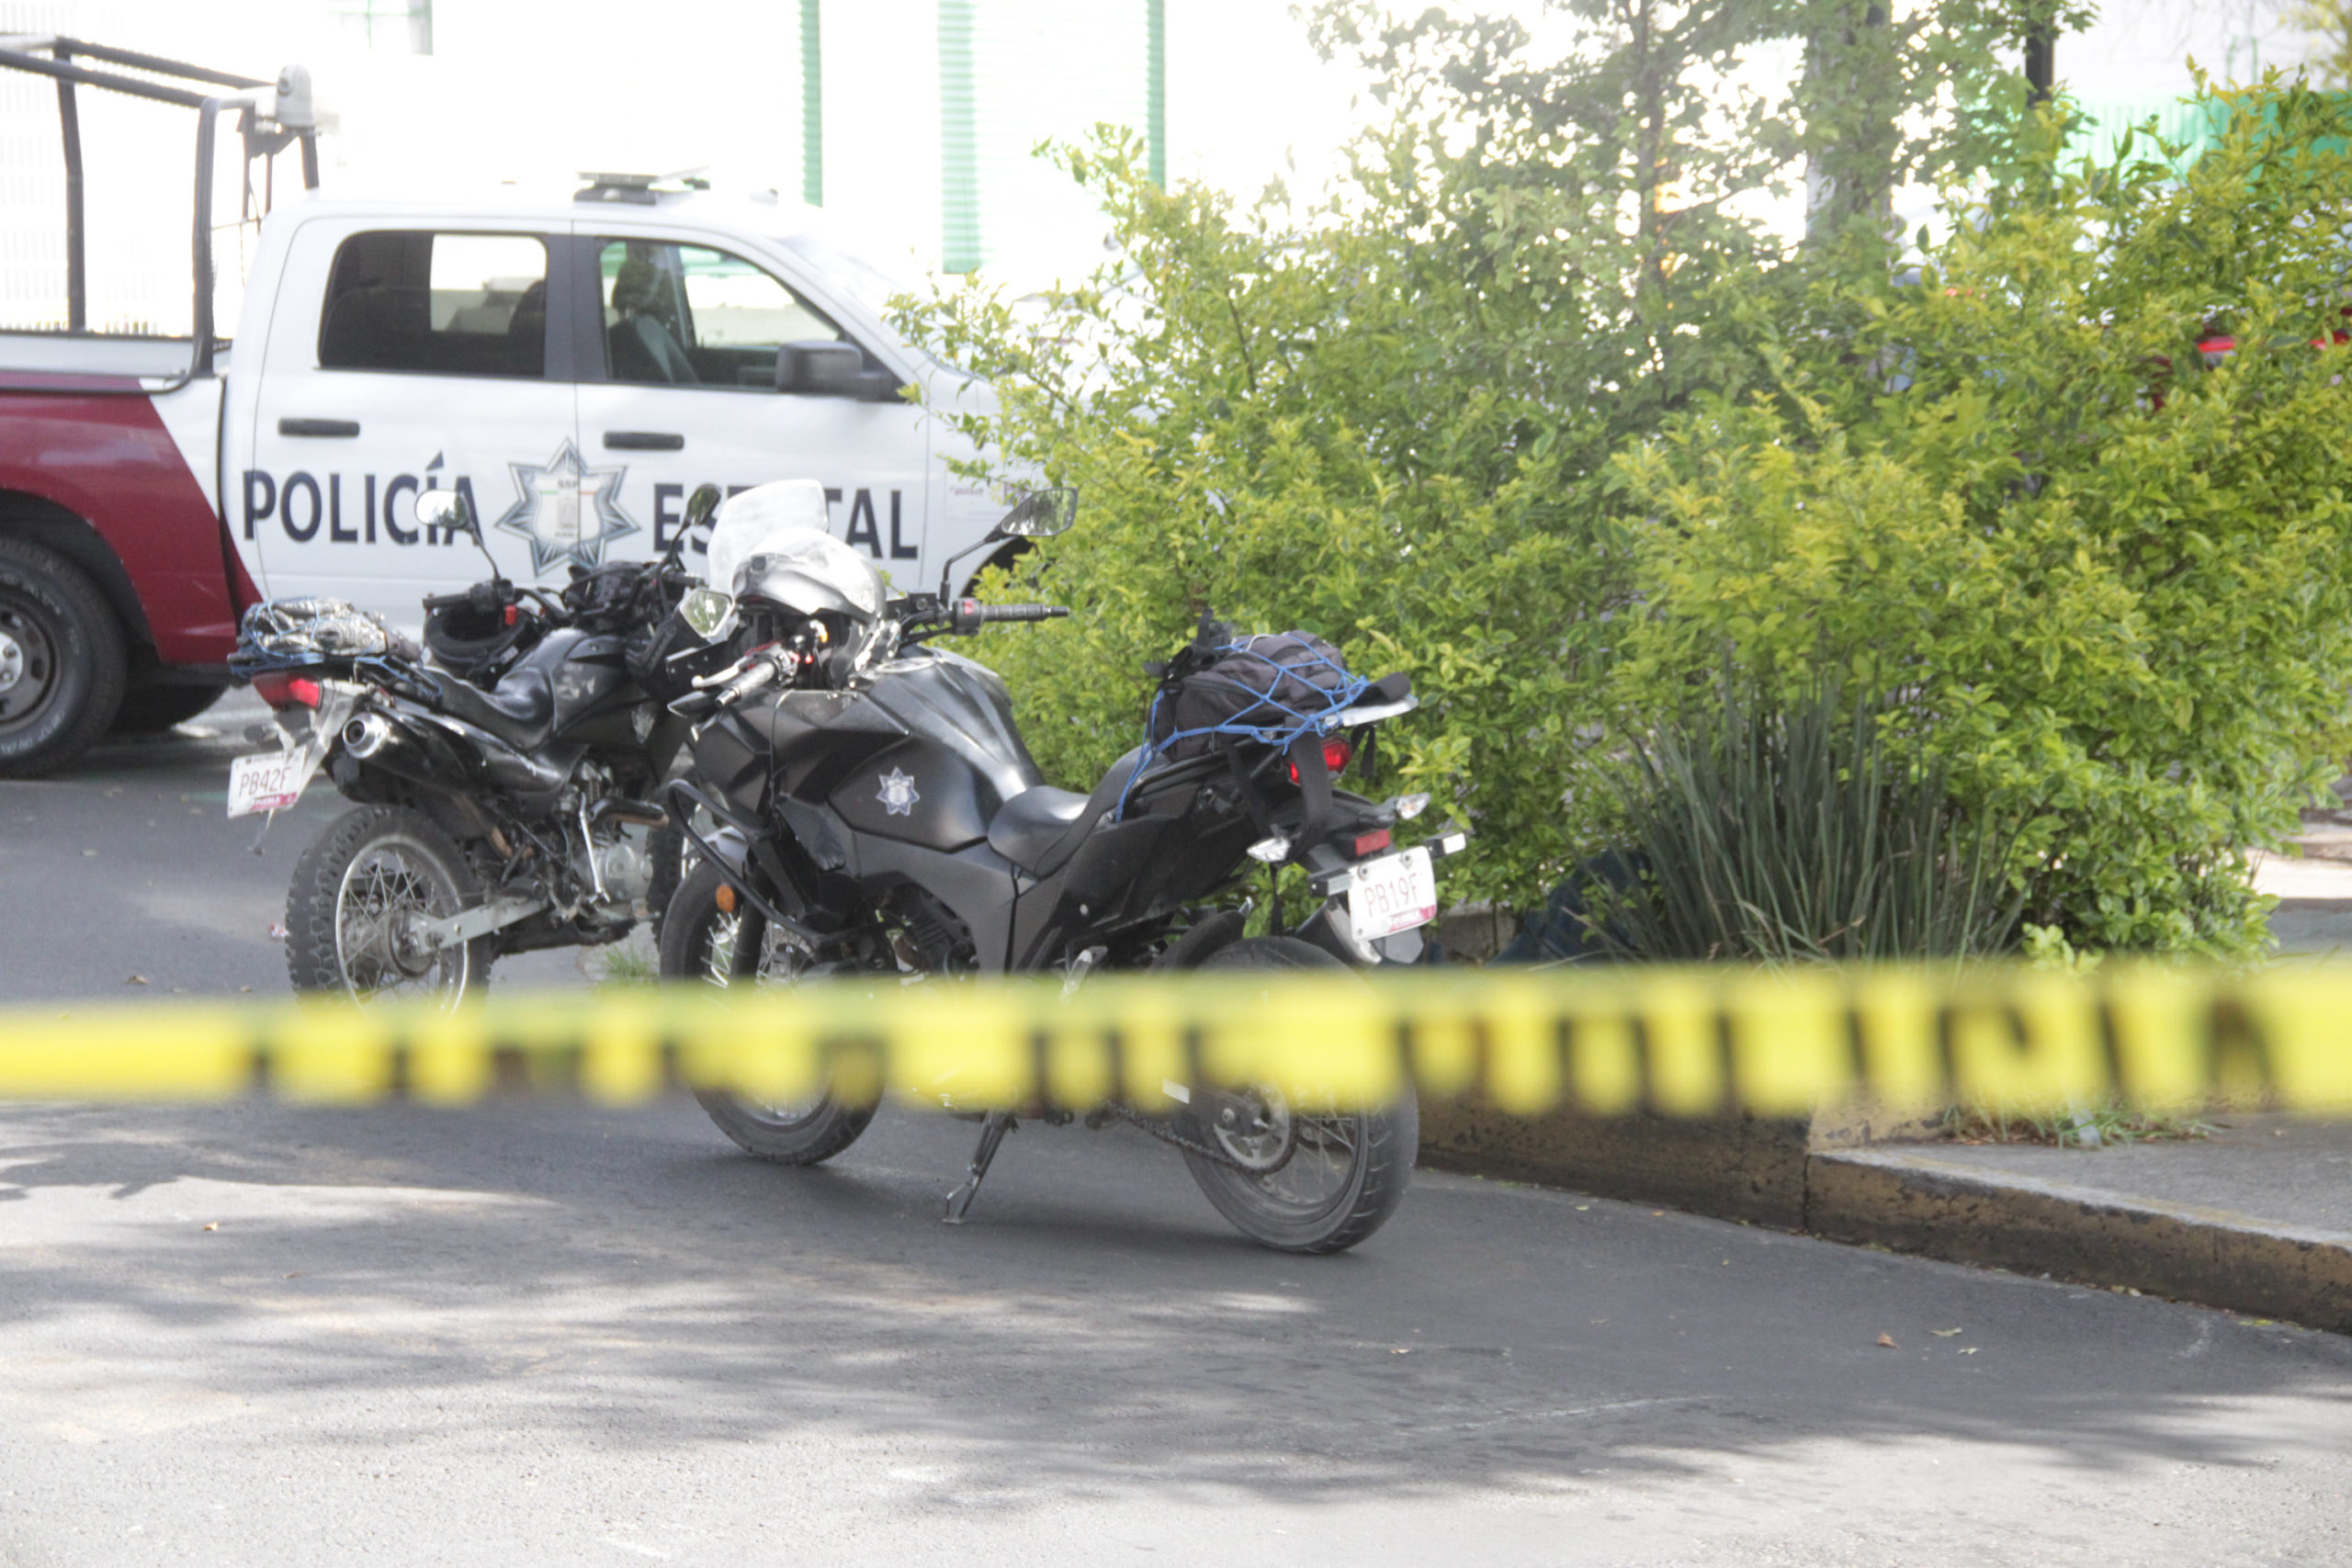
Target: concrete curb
(1736, 1167)
(1777, 1172)
(1908, 1201)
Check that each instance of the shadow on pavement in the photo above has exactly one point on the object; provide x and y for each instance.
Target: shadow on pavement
(631, 1278)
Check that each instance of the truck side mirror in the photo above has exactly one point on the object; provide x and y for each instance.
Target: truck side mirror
(819, 369)
(829, 369)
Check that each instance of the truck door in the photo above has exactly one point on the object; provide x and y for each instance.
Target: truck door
(416, 357)
(678, 389)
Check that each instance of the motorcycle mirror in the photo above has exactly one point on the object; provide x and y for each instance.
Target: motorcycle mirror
(701, 504)
(1040, 514)
(449, 511)
(445, 509)
(706, 611)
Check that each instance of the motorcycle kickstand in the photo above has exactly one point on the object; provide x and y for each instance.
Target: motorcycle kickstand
(992, 1132)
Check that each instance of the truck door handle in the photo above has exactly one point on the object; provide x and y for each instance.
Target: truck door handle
(318, 427)
(643, 441)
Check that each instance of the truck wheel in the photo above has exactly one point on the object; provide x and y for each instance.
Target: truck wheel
(61, 661)
(151, 709)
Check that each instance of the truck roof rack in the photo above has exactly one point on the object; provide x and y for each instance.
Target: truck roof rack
(638, 190)
(271, 116)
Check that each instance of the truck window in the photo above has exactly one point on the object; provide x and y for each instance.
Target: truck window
(437, 304)
(689, 316)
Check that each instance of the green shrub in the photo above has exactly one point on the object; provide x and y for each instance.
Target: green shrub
(1563, 470)
(2117, 584)
(1282, 427)
(1798, 832)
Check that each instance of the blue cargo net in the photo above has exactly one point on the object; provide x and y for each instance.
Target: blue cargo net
(1295, 721)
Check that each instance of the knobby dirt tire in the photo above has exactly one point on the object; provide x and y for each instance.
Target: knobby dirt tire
(1385, 1143)
(316, 960)
(62, 660)
(693, 934)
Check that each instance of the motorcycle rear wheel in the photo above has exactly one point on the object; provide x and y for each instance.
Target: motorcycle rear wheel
(700, 941)
(355, 896)
(1342, 1176)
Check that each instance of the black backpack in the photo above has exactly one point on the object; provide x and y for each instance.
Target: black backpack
(1271, 687)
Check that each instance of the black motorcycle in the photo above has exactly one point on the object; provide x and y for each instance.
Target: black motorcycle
(864, 810)
(507, 772)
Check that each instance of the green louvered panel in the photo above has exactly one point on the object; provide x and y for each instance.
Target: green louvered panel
(812, 105)
(1015, 72)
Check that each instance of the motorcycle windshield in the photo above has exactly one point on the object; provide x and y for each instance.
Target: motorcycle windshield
(807, 572)
(745, 521)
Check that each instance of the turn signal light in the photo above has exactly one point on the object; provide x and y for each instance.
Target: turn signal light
(287, 691)
(1336, 754)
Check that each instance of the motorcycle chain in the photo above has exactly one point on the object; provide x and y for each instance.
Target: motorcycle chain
(1167, 1134)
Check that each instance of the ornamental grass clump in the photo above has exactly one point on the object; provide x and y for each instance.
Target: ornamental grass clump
(1794, 832)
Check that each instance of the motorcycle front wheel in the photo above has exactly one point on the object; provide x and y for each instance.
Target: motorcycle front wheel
(360, 897)
(702, 940)
(1289, 1180)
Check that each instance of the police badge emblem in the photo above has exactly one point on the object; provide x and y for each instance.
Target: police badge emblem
(897, 797)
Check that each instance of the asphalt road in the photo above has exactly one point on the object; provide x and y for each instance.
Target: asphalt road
(533, 1333)
(126, 877)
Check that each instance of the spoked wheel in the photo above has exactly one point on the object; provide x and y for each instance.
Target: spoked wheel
(358, 917)
(1288, 1180)
(709, 935)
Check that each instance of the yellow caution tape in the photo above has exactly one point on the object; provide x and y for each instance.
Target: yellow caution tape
(1682, 1040)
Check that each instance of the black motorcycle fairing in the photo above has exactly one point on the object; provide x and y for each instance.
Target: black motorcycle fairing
(922, 750)
(964, 708)
(731, 753)
(596, 697)
(975, 884)
(916, 791)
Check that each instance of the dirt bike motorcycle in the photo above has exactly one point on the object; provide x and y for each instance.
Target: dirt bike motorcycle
(505, 773)
(865, 811)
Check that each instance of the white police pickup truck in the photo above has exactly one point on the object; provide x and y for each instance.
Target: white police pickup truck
(575, 366)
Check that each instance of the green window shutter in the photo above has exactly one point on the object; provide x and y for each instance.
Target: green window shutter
(958, 159)
(1155, 78)
(1013, 74)
(812, 105)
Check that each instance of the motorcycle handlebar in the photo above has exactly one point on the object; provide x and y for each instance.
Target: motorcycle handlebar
(966, 617)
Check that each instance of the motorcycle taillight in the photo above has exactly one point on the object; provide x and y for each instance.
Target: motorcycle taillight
(287, 691)
(1336, 754)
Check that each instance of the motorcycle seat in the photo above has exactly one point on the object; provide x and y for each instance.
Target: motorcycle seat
(520, 710)
(1042, 826)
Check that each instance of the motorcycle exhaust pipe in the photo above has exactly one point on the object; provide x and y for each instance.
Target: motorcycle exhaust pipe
(369, 734)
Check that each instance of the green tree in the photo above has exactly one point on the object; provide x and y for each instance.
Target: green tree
(2327, 23)
(1535, 412)
(2112, 584)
